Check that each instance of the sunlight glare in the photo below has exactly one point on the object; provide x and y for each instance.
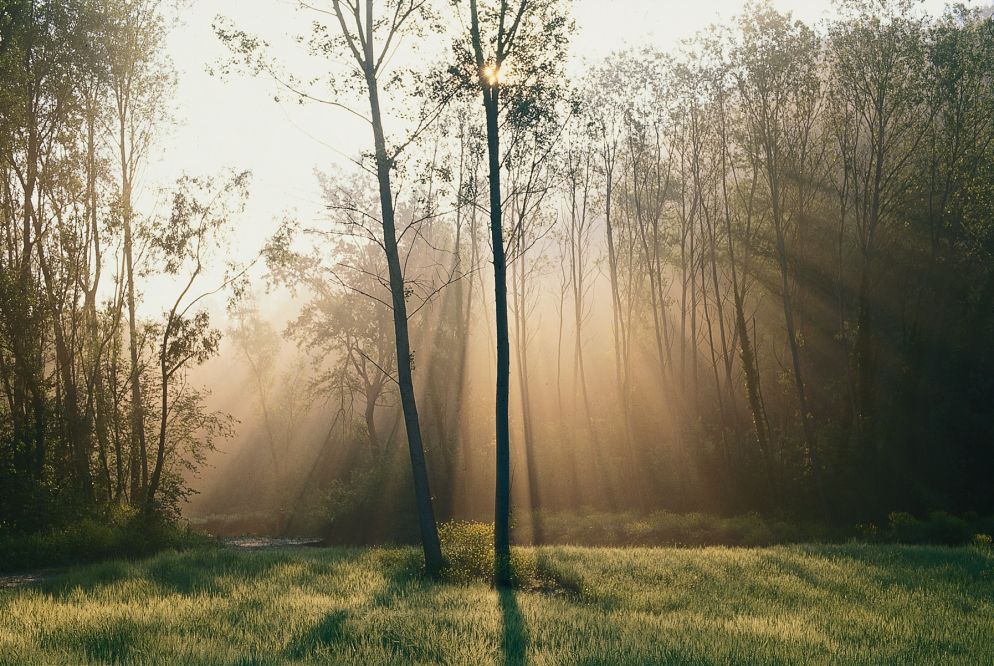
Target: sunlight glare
(496, 75)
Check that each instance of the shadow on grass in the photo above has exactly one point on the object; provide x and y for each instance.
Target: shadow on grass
(864, 574)
(402, 577)
(964, 571)
(212, 571)
(514, 637)
(327, 632)
(111, 642)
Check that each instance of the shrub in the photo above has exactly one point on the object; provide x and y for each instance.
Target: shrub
(469, 553)
(904, 527)
(868, 531)
(938, 528)
(120, 533)
(468, 549)
(945, 528)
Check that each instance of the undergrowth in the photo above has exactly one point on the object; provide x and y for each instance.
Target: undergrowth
(120, 534)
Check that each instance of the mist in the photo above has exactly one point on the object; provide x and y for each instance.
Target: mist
(739, 269)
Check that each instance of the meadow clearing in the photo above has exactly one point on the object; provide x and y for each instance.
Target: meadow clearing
(854, 604)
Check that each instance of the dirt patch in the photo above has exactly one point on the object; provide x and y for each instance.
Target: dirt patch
(267, 543)
(9, 581)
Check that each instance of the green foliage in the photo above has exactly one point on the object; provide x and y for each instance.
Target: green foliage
(469, 553)
(469, 550)
(938, 528)
(122, 533)
(662, 528)
(84, 91)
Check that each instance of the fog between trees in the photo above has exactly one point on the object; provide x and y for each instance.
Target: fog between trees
(753, 274)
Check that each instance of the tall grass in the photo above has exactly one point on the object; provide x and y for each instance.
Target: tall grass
(786, 604)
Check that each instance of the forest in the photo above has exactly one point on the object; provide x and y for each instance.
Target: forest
(750, 275)
(735, 290)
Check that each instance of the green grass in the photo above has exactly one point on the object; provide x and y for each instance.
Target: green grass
(785, 604)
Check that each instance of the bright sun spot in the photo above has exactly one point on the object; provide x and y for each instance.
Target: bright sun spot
(496, 75)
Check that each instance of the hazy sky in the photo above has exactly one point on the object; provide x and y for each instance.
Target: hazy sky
(236, 123)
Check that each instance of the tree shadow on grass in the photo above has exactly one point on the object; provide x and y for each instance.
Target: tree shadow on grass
(909, 567)
(514, 637)
(111, 642)
(212, 571)
(402, 577)
(328, 631)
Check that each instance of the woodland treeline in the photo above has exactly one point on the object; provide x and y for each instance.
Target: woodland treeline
(97, 410)
(751, 274)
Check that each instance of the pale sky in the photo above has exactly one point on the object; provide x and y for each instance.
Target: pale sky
(236, 123)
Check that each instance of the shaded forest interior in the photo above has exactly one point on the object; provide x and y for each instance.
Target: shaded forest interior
(754, 274)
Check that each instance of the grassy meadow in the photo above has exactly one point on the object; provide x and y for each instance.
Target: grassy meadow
(784, 604)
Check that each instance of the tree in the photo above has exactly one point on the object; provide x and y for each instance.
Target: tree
(201, 211)
(877, 53)
(81, 90)
(140, 84)
(780, 94)
(509, 42)
(368, 40)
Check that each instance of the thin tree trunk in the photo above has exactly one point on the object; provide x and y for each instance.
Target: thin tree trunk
(426, 512)
(139, 476)
(502, 495)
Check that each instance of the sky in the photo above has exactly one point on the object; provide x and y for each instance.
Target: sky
(234, 121)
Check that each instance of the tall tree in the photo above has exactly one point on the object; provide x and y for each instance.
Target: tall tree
(359, 30)
(140, 84)
(878, 103)
(195, 230)
(514, 56)
(779, 86)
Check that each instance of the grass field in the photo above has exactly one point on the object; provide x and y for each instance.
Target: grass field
(789, 604)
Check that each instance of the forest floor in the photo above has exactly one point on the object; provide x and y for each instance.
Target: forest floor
(786, 604)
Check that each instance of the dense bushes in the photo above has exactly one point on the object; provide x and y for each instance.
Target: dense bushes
(122, 534)
(662, 528)
(938, 527)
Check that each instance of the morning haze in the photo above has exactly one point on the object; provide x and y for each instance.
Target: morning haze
(496, 331)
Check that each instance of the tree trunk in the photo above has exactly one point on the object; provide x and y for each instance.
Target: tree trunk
(502, 495)
(139, 456)
(425, 509)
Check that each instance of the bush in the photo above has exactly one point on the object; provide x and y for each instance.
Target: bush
(468, 548)
(122, 533)
(348, 505)
(938, 528)
(905, 528)
(663, 528)
(945, 528)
